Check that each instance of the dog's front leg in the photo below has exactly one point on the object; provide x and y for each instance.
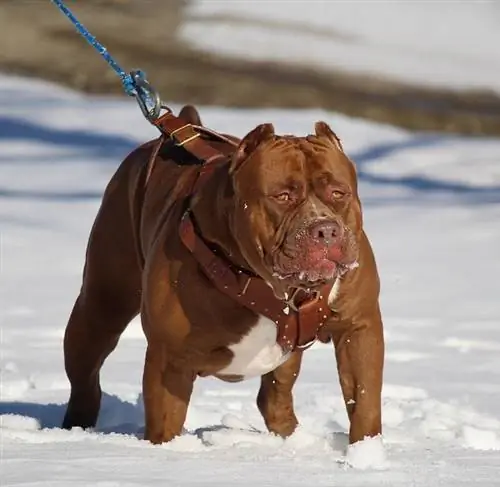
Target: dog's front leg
(359, 349)
(167, 390)
(275, 400)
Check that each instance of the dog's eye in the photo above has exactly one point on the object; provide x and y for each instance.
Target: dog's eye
(284, 196)
(337, 195)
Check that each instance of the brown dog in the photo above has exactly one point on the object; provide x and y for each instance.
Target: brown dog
(281, 211)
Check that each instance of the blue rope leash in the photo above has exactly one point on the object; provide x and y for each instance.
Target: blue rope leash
(127, 81)
(134, 83)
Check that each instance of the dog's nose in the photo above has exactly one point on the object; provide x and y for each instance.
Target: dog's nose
(326, 232)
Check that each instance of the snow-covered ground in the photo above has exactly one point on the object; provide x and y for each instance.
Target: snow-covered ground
(450, 44)
(432, 211)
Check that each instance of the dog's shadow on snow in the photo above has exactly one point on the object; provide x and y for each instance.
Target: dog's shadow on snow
(115, 416)
(121, 417)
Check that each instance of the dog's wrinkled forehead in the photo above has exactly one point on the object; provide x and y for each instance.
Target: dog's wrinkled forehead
(282, 159)
(274, 158)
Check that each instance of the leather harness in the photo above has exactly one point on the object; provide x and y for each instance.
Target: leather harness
(299, 317)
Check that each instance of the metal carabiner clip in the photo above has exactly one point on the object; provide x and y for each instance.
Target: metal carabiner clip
(147, 97)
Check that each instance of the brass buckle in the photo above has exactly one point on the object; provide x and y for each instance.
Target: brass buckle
(291, 301)
(189, 139)
(310, 343)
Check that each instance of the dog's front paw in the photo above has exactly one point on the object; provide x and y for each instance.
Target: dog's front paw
(368, 453)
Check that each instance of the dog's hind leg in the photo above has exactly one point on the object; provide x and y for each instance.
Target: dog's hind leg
(109, 299)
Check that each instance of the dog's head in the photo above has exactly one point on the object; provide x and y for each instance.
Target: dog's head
(296, 214)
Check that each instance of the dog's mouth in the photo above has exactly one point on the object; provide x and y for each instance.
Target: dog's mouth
(318, 253)
(323, 273)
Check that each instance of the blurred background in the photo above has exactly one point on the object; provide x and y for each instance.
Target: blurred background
(421, 65)
(412, 88)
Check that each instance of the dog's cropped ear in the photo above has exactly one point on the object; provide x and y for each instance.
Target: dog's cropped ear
(250, 142)
(322, 129)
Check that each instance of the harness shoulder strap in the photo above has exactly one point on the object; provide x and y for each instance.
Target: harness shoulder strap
(185, 135)
(190, 138)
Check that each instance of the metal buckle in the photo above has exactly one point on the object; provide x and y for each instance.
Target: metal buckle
(189, 139)
(291, 301)
(310, 343)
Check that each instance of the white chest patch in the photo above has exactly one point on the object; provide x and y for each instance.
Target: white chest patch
(257, 353)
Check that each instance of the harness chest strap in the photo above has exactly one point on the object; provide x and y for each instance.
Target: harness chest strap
(298, 323)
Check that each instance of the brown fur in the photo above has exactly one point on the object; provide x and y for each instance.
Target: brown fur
(135, 263)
